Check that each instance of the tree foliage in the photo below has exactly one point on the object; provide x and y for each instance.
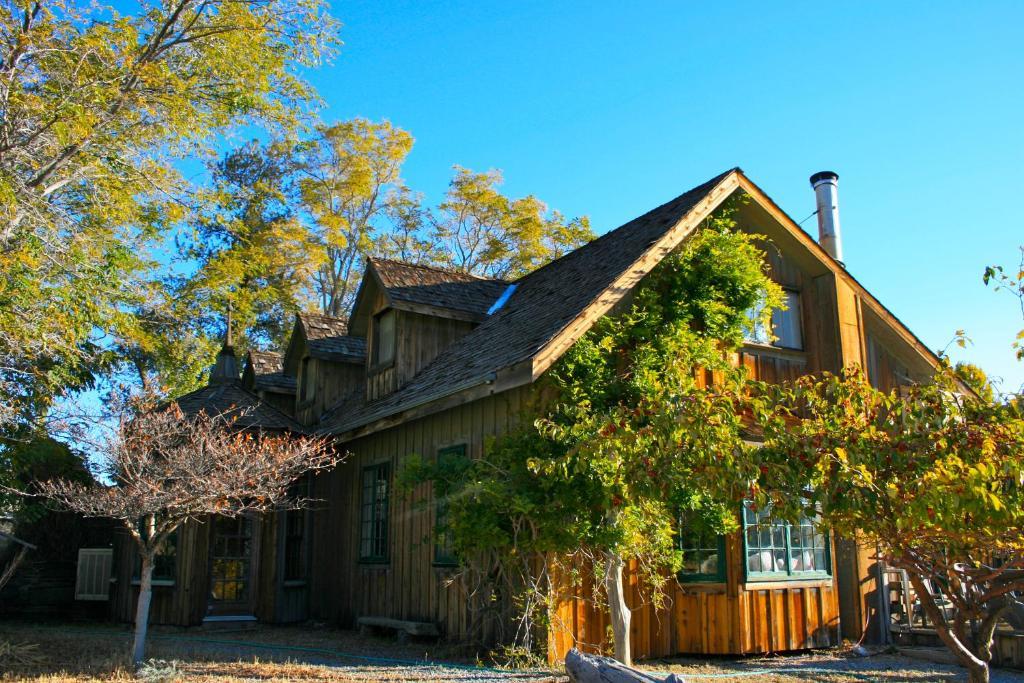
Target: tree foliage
(290, 223)
(96, 108)
(932, 476)
(630, 432)
(485, 233)
(1000, 279)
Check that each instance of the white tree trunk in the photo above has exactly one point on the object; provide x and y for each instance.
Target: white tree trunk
(617, 607)
(142, 609)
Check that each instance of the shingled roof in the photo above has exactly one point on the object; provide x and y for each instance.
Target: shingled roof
(267, 368)
(436, 287)
(231, 400)
(317, 326)
(543, 303)
(343, 348)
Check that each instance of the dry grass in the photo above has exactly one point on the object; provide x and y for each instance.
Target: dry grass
(99, 653)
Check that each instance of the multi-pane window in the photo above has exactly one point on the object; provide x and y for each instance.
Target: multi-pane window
(777, 549)
(384, 339)
(786, 329)
(231, 558)
(444, 551)
(703, 552)
(373, 543)
(165, 564)
(296, 537)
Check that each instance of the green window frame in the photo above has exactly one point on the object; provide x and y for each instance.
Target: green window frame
(777, 550)
(703, 553)
(444, 552)
(376, 485)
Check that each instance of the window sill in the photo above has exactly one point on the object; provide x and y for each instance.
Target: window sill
(377, 369)
(783, 351)
(155, 582)
(374, 563)
(772, 583)
(716, 586)
(686, 579)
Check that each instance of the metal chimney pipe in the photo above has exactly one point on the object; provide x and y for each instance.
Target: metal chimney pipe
(826, 192)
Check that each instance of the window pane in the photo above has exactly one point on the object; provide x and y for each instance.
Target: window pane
(754, 329)
(373, 543)
(786, 323)
(385, 338)
(776, 547)
(701, 548)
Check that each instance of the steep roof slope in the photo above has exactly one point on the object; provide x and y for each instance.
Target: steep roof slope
(543, 303)
(231, 400)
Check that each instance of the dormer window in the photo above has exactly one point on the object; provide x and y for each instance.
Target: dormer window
(384, 339)
(307, 379)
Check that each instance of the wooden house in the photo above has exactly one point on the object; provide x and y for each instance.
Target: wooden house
(433, 362)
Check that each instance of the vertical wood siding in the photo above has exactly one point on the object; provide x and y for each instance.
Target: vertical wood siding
(408, 586)
(184, 603)
(418, 340)
(715, 618)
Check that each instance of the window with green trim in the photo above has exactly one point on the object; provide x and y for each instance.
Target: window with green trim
(703, 552)
(373, 543)
(448, 459)
(775, 549)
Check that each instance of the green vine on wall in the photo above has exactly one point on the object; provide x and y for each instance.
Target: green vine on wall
(624, 432)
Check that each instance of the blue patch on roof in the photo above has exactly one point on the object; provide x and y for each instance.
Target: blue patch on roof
(502, 300)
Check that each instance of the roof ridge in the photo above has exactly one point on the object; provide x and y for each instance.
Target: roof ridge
(437, 269)
(703, 187)
(307, 314)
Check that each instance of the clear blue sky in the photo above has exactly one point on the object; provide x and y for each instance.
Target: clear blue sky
(608, 109)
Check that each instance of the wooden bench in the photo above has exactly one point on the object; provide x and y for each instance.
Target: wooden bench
(403, 629)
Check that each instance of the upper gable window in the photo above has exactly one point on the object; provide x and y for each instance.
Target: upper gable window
(307, 379)
(384, 339)
(787, 329)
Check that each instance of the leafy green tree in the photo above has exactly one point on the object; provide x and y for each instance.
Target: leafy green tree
(1014, 284)
(975, 379)
(934, 477)
(349, 182)
(630, 432)
(485, 233)
(95, 109)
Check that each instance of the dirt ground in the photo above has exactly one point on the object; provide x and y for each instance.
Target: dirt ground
(81, 652)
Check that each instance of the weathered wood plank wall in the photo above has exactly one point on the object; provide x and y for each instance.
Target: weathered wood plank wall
(408, 585)
(732, 617)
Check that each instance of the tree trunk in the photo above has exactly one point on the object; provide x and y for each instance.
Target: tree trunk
(977, 668)
(617, 607)
(142, 609)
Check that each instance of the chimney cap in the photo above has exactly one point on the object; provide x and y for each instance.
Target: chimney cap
(823, 176)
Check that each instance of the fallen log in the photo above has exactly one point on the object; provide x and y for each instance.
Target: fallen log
(584, 668)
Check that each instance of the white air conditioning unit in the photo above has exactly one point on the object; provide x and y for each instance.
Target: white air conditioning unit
(94, 568)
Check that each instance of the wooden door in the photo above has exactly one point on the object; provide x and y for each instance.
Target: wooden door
(233, 559)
